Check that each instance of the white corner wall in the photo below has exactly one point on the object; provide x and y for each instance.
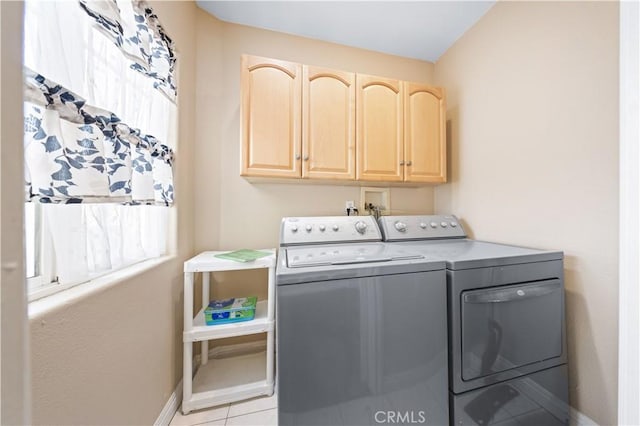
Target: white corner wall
(533, 128)
(629, 338)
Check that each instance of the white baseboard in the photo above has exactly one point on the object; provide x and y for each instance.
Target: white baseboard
(175, 399)
(579, 419)
(170, 408)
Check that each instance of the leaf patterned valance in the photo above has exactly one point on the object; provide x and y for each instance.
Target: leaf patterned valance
(136, 30)
(77, 153)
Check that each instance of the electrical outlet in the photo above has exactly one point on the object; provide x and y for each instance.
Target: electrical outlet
(349, 204)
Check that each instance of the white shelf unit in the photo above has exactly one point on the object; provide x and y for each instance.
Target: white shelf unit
(221, 381)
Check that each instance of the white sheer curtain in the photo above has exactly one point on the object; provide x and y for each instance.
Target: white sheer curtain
(91, 239)
(62, 44)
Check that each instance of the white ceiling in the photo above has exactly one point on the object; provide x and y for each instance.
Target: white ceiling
(414, 29)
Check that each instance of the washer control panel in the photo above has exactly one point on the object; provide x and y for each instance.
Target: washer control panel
(398, 228)
(328, 229)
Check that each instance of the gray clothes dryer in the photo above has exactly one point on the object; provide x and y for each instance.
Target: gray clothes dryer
(361, 327)
(506, 323)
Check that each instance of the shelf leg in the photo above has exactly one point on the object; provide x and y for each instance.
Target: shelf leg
(270, 356)
(204, 348)
(187, 361)
(271, 294)
(187, 384)
(188, 301)
(271, 309)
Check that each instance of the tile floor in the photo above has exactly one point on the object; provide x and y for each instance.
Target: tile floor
(253, 412)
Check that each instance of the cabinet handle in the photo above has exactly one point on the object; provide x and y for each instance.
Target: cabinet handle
(402, 163)
(297, 156)
(306, 158)
(408, 163)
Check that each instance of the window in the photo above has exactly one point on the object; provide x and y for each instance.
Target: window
(39, 253)
(69, 244)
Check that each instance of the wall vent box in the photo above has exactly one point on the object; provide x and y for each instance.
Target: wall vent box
(379, 197)
(230, 310)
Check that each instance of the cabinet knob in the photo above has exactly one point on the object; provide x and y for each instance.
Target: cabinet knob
(306, 158)
(408, 163)
(402, 163)
(297, 156)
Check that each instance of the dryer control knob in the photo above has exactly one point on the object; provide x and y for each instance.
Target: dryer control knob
(443, 224)
(423, 225)
(401, 226)
(335, 228)
(453, 224)
(361, 227)
(433, 225)
(321, 228)
(308, 228)
(294, 228)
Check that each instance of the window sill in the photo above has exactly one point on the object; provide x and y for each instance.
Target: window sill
(74, 294)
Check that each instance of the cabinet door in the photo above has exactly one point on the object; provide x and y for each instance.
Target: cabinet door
(328, 124)
(271, 105)
(379, 129)
(424, 133)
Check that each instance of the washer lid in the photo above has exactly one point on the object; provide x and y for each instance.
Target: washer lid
(346, 254)
(470, 254)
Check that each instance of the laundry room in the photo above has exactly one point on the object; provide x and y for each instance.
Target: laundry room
(529, 112)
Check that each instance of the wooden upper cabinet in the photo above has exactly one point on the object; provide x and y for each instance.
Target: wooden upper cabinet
(317, 123)
(424, 133)
(328, 124)
(271, 108)
(379, 133)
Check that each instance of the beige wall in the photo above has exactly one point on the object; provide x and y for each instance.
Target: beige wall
(116, 356)
(231, 212)
(533, 110)
(14, 371)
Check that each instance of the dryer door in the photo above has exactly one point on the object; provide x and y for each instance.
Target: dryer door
(510, 326)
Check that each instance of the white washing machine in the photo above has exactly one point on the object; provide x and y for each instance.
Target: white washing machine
(506, 320)
(361, 327)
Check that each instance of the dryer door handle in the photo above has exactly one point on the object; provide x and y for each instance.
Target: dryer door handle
(512, 293)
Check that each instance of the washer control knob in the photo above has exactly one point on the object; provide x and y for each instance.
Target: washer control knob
(433, 225)
(308, 228)
(361, 227)
(453, 224)
(423, 225)
(322, 228)
(401, 226)
(335, 228)
(443, 224)
(294, 228)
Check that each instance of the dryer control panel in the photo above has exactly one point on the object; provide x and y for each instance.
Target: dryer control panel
(422, 227)
(328, 229)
